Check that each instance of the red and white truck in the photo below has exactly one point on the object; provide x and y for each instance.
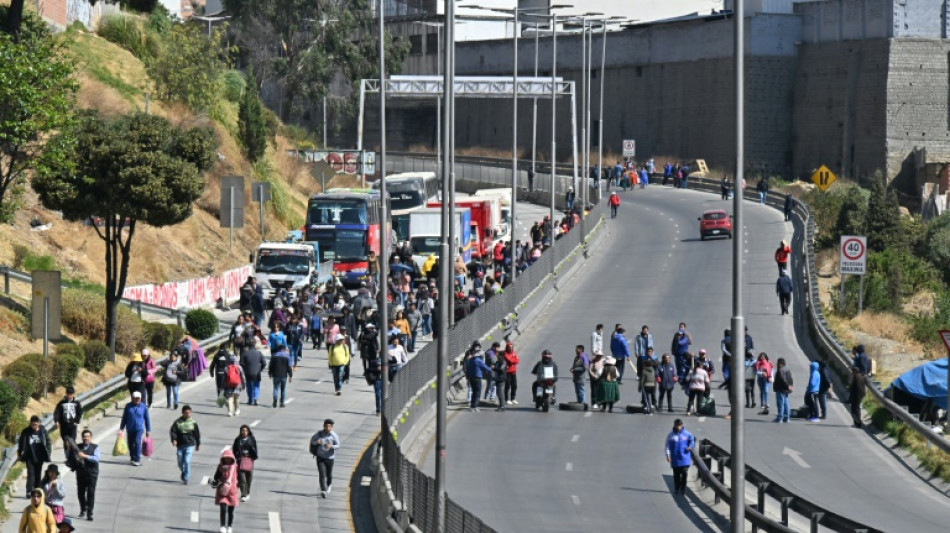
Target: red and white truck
(486, 221)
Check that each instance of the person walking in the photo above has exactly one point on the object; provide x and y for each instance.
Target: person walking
(280, 370)
(579, 370)
(475, 371)
(67, 415)
(698, 381)
(295, 334)
(37, 517)
(782, 254)
(55, 489)
(782, 387)
(34, 448)
(823, 387)
(679, 347)
(374, 378)
(258, 305)
(253, 365)
(668, 378)
(597, 340)
(530, 180)
(234, 382)
(150, 368)
(338, 356)
(784, 288)
(87, 474)
(763, 377)
(135, 374)
(763, 189)
(135, 421)
(245, 450)
(491, 357)
(856, 391)
(186, 438)
(219, 367)
(226, 489)
(614, 202)
(171, 378)
(369, 345)
(511, 374)
(620, 350)
(642, 343)
(788, 206)
(749, 365)
(323, 446)
(679, 447)
(647, 383)
(811, 392)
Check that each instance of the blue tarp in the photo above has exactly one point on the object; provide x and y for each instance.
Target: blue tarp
(927, 381)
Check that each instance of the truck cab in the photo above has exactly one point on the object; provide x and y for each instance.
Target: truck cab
(288, 266)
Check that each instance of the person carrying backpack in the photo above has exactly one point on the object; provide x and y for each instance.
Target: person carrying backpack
(323, 446)
(234, 383)
(219, 366)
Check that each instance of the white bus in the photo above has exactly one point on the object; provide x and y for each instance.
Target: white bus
(408, 192)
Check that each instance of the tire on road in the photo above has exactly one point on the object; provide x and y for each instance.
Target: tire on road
(573, 406)
(635, 409)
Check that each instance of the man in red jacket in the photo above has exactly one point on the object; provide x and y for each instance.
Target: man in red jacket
(511, 384)
(614, 202)
(782, 254)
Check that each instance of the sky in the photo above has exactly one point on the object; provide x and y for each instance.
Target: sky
(644, 10)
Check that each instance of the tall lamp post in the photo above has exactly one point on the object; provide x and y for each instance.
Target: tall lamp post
(737, 467)
(384, 232)
(600, 122)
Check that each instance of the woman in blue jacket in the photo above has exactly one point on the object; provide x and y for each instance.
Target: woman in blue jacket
(679, 445)
(811, 393)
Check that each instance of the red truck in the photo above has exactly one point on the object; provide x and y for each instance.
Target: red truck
(482, 224)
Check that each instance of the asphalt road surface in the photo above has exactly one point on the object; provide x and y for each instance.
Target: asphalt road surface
(523, 470)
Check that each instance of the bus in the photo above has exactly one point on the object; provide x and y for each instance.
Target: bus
(407, 192)
(345, 224)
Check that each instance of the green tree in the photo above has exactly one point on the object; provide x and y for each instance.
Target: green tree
(251, 129)
(36, 97)
(883, 216)
(305, 44)
(853, 215)
(189, 69)
(936, 244)
(135, 168)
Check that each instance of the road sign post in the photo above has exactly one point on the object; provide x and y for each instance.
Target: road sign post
(232, 205)
(823, 178)
(853, 260)
(629, 148)
(945, 336)
(260, 193)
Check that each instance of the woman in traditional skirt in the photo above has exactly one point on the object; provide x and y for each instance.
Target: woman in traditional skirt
(610, 391)
(196, 357)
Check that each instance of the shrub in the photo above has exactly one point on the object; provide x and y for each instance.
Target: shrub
(177, 333)
(201, 323)
(9, 401)
(34, 368)
(23, 388)
(15, 424)
(97, 355)
(128, 32)
(74, 350)
(84, 314)
(233, 85)
(163, 337)
(65, 369)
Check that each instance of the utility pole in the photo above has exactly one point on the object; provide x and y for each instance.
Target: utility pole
(384, 233)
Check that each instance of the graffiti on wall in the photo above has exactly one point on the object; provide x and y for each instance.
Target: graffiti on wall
(200, 292)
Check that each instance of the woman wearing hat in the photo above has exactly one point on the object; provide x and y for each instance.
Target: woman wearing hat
(37, 517)
(338, 357)
(55, 490)
(226, 491)
(135, 373)
(607, 392)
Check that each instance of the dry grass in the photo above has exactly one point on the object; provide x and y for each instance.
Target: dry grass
(884, 325)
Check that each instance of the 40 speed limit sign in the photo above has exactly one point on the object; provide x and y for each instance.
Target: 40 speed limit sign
(854, 255)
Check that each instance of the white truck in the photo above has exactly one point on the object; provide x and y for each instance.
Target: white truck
(283, 265)
(425, 230)
(501, 209)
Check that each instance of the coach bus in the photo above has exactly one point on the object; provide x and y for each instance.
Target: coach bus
(408, 192)
(345, 223)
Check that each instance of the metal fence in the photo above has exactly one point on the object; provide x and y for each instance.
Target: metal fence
(413, 488)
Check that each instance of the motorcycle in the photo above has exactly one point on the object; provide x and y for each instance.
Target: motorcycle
(544, 394)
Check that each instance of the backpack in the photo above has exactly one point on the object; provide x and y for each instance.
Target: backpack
(232, 378)
(314, 447)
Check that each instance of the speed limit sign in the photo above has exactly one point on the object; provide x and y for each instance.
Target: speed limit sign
(629, 148)
(854, 255)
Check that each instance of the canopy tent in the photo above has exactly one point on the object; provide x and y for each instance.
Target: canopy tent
(926, 382)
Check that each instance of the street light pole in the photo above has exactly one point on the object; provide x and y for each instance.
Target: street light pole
(514, 147)
(600, 123)
(384, 232)
(534, 122)
(553, 124)
(737, 466)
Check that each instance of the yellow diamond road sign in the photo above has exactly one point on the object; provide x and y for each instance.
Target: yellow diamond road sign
(823, 178)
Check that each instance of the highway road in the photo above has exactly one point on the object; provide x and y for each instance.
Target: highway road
(570, 471)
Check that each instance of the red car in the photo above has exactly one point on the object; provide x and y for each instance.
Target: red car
(715, 223)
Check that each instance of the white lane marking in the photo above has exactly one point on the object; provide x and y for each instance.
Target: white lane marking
(319, 381)
(273, 520)
(366, 481)
(194, 516)
(254, 423)
(204, 481)
(575, 438)
(702, 419)
(569, 467)
(796, 456)
(588, 414)
(288, 401)
(576, 500)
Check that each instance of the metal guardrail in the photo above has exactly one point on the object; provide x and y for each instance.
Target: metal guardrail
(541, 167)
(789, 501)
(137, 306)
